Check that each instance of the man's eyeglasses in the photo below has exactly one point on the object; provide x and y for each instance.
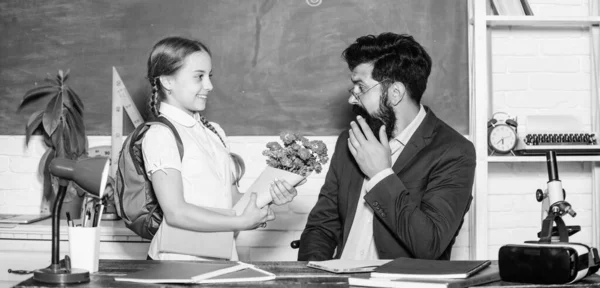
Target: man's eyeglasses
(361, 93)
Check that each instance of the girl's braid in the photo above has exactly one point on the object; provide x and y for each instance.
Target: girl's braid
(212, 128)
(153, 103)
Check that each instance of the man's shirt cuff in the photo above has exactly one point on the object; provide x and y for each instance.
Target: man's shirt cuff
(378, 177)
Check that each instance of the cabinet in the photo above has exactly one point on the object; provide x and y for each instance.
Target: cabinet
(480, 29)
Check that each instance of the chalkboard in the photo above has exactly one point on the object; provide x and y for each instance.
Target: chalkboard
(277, 64)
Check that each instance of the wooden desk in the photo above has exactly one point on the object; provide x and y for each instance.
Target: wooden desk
(289, 274)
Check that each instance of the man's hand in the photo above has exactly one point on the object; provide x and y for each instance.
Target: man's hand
(371, 155)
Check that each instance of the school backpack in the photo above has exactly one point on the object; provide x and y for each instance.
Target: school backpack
(134, 197)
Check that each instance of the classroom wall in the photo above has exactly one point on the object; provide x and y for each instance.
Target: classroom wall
(535, 72)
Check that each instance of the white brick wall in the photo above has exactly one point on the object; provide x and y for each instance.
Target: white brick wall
(539, 71)
(21, 193)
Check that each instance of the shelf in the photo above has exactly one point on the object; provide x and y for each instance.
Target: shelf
(540, 21)
(509, 159)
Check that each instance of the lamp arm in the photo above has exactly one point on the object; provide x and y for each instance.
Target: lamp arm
(62, 191)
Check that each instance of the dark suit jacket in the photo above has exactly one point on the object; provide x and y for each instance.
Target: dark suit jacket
(418, 211)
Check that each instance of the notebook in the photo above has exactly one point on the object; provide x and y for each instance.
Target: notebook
(487, 275)
(218, 245)
(250, 274)
(22, 218)
(182, 272)
(347, 266)
(404, 268)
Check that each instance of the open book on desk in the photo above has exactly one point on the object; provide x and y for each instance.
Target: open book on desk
(489, 274)
(347, 266)
(183, 272)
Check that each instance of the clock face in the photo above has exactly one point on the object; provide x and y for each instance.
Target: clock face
(502, 138)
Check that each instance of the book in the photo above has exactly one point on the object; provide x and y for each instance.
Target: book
(347, 266)
(183, 272)
(250, 274)
(510, 7)
(491, 8)
(527, 8)
(489, 274)
(406, 268)
(218, 245)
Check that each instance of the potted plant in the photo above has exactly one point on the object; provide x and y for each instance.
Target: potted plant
(61, 125)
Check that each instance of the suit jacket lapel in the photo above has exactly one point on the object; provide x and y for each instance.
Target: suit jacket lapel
(418, 141)
(354, 188)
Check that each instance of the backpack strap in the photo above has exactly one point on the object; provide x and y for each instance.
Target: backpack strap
(134, 149)
(178, 141)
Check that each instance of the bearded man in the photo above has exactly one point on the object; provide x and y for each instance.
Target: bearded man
(400, 179)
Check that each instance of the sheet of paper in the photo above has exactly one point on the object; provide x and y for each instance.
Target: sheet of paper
(261, 187)
(348, 266)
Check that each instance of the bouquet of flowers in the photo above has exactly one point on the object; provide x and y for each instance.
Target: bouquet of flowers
(297, 155)
(292, 162)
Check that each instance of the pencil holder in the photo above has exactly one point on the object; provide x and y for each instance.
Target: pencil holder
(84, 247)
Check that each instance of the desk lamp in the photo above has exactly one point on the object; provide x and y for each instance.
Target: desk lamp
(90, 174)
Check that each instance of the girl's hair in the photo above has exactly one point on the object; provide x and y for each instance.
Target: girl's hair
(240, 168)
(166, 58)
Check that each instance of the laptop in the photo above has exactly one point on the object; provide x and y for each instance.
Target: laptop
(23, 218)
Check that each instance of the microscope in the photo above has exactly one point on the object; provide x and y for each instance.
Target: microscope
(549, 260)
(553, 199)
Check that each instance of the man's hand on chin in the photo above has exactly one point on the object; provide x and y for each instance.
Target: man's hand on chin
(371, 155)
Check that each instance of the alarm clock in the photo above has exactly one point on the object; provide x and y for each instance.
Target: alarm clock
(502, 134)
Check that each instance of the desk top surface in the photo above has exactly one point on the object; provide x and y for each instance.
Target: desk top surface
(289, 274)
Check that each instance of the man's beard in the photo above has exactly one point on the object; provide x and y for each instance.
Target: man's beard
(385, 115)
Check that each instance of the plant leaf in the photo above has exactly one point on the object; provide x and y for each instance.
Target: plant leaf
(47, 140)
(75, 131)
(33, 124)
(35, 93)
(52, 114)
(68, 141)
(66, 76)
(57, 140)
(59, 78)
(75, 99)
(48, 193)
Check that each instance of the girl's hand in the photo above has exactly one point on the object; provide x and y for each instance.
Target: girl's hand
(253, 217)
(282, 192)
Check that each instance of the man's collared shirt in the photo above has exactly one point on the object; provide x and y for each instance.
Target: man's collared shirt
(360, 244)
